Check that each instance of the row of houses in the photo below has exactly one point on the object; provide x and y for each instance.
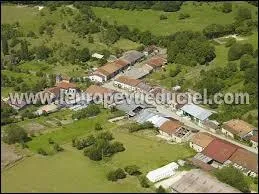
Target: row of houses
(111, 69)
(216, 153)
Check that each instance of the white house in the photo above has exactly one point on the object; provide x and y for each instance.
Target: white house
(163, 172)
(126, 82)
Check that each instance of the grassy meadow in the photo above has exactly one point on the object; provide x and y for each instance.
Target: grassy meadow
(71, 171)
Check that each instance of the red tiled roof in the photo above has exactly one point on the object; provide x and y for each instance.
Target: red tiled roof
(254, 138)
(128, 80)
(202, 139)
(238, 127)
(94, 89)
(121, 62)
(245, 159)
(156, 61)
(220, 150)
(66, 85)
(170, 127)
(54, 90)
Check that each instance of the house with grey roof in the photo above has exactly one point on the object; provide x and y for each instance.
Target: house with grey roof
(133, 56)
(196, 113)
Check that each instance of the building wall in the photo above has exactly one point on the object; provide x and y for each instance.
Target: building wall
(124, 86)
(227, 133)
(196, 147)
(96, 78)
(254, 144)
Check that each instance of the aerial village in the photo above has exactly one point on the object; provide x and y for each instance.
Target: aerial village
(214, 142)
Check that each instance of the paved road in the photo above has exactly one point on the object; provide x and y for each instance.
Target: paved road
(167, 111)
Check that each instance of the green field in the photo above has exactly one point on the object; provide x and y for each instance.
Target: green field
(200, 16)
(70, 171)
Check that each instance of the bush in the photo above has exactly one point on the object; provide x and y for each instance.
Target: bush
(163, 17)
(116, 174)
(237, 50)
(51, 141)
(160, 189)
(183, 16)
(93, 153)
(117, 147)
(42, 152)
(132, 170)
(58, 148)
(14, 134)
(230, 42)
(106, 135)
(98, 127)
(143, 181)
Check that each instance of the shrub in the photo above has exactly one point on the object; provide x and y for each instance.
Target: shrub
(93, 153)
(51, 141)
(132, 170)
(143, 181)
(116, 174)
(117, 147)
(183, 16)
(106, 135)
(98, 127)
(14, 134)
(230, 42)
(42, 152)
(58, 148)
(160, 189)
(163, 17)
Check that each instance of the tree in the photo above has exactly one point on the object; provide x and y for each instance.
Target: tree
(51, 141)
(160, 189)
(183, 16)
(230, 42)
(227, 7)
(243, 14)
(90, 39)
(234, 177)
(238, 49)
(246, 61)
(24, 53)
(132, 170)
(84, 55)
(5, 47)
(14, 134)
(42, 52)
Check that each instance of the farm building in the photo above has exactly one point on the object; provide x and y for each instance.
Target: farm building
(198, 181)
(132, 109)
(237, 127)
(138, 72)
(211, 125)
(198, 114)
(163, 172)
(100, 94)
(49, 108)
(109, 70)
(218, 152)
(245, 161)
(132, 56)
(67, 88)
(97, 56)
(156, 62)
(200, 140)
(145, 115)
(254, 140)
(174, 130)
(127, 83)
